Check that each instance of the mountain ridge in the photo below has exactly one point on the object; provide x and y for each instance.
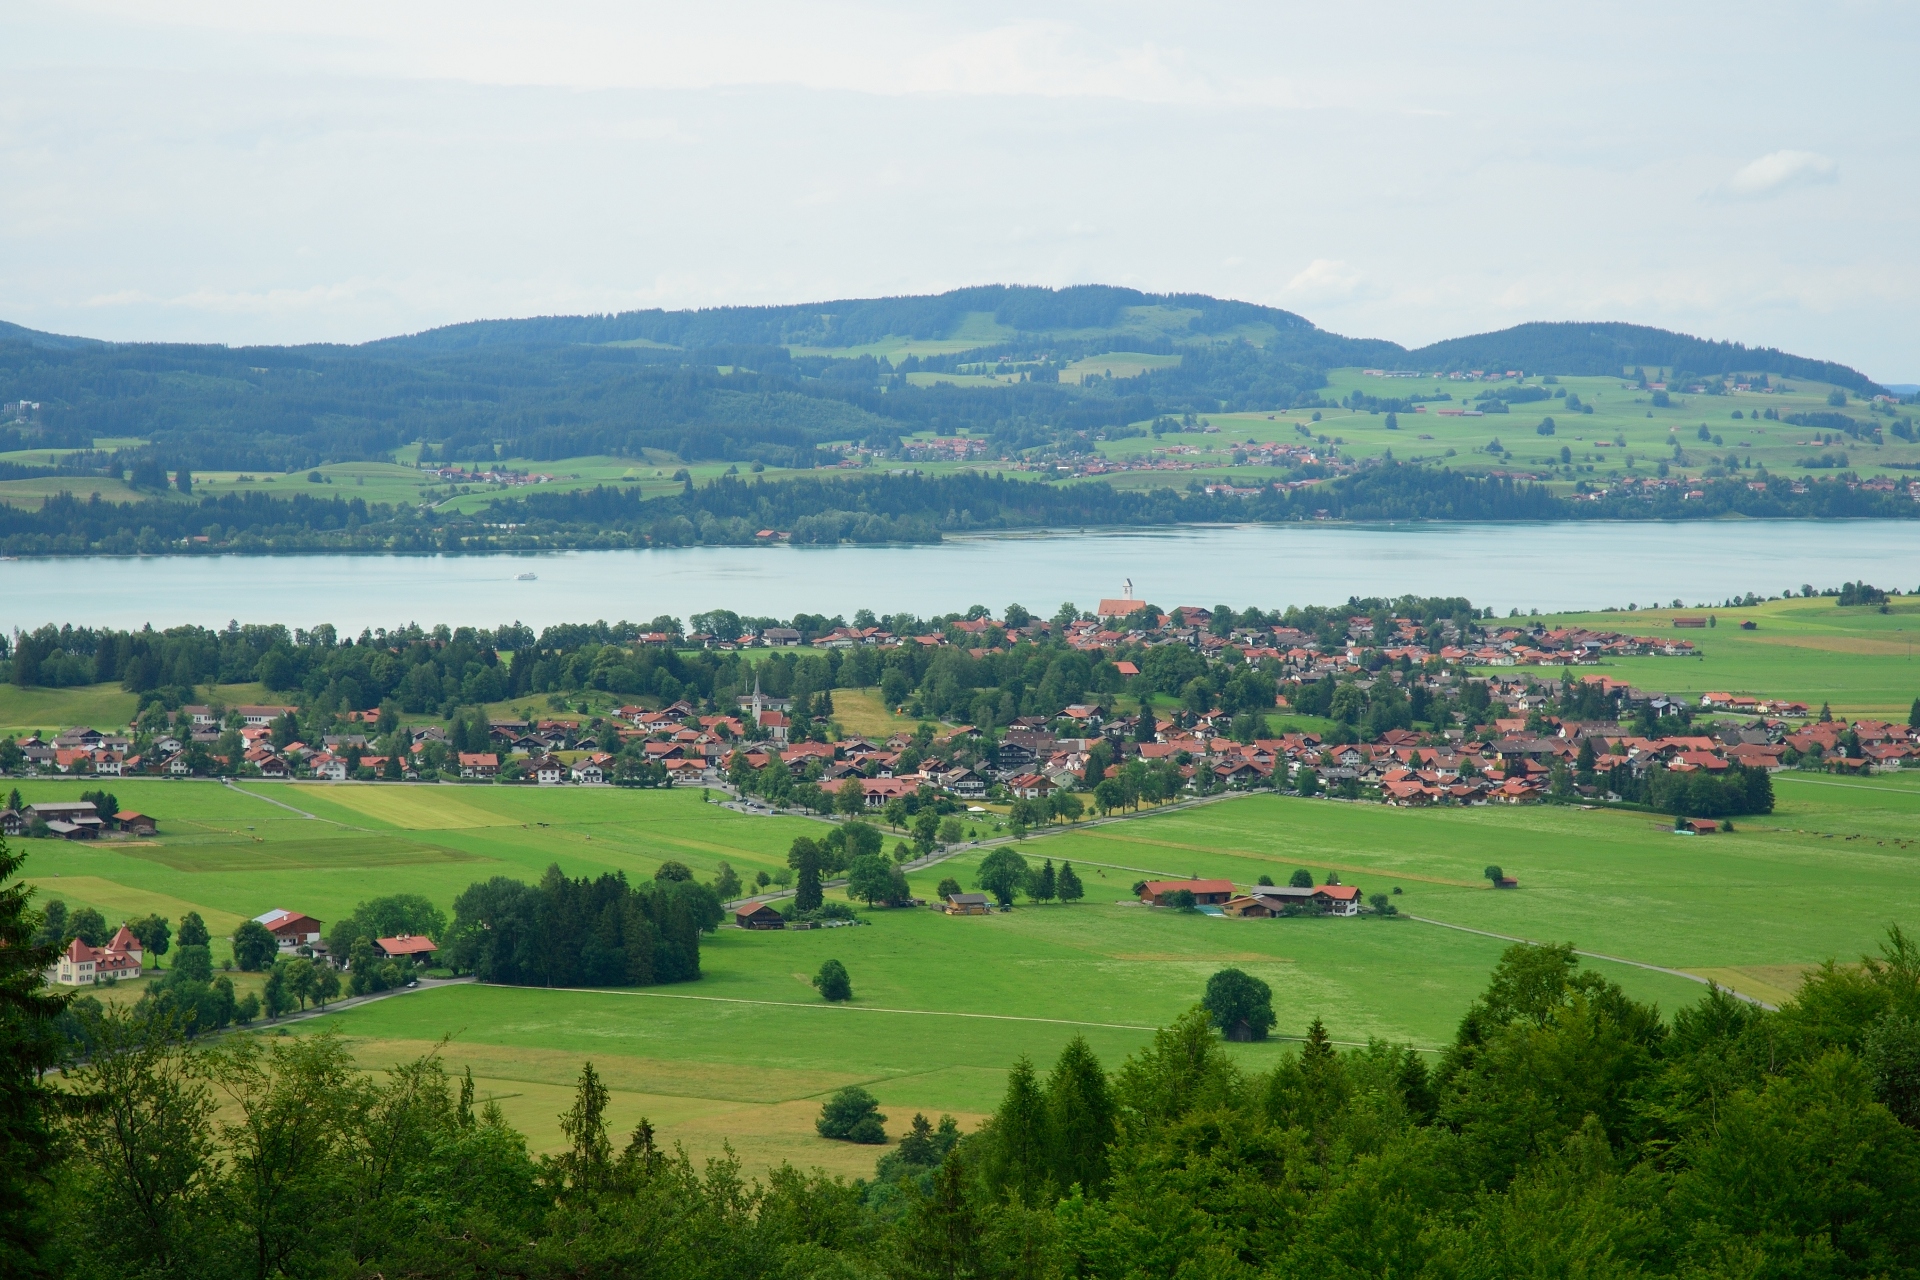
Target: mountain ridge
(1082, 312)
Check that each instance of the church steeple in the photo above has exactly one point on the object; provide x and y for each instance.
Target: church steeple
(758, 701)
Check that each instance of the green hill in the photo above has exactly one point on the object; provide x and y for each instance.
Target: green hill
(1025, 368)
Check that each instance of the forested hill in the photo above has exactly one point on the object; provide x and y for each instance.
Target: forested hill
(849, 322)
(1606, 349)
(768, 384)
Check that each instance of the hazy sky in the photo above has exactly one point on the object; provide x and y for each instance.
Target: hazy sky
(259, 172)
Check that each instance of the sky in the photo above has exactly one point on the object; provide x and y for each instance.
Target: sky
(258, 172)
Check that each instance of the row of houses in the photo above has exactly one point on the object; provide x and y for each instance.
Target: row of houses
(74, 820)
(123, 956)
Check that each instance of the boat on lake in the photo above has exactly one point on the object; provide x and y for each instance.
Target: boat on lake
(527, 577)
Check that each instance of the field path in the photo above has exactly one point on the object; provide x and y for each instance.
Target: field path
(923, 1013)
(311, 817)
(1601, 955)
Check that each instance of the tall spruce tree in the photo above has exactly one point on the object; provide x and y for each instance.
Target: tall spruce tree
(1044, 885)
(1069, 887)
(1080, 1113)
(1020, 1160)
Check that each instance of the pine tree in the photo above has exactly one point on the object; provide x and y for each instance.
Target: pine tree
(1080, 1111)
(588, 1157)
(942, 1237)
(28, 1046)
(1020, 1158)
(1913, 722)
(1044, 886)
(1069, 887)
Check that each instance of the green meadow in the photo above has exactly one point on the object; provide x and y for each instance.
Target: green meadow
(1809, 650)
(1624, 422)
(944, 1005)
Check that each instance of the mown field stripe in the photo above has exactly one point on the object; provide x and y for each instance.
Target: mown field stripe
(924, 1013)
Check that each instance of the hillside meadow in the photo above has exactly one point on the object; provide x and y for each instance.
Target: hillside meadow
(1810, 650)
(944, 1005)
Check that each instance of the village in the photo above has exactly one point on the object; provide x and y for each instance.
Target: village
(1374, 690)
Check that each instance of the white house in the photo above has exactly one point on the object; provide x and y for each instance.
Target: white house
(81, 965)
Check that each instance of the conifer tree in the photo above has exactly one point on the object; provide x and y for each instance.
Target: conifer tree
(1019, 1164)
(942, 1237)
(1080, 1113)
(585, 1163)
(1069, 887)
(1044, 886)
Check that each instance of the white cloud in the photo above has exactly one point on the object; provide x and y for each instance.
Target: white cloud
(1778, 170)
(1323, 280)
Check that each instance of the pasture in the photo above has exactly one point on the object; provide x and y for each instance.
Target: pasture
(1624, 423)
(1810, 650)
(943, 1005)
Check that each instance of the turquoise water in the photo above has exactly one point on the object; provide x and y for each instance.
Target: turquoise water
(1545, 566)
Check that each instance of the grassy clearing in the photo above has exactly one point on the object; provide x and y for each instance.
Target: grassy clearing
(861, 711)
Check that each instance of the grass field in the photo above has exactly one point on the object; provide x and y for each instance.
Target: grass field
(1809, 650)
(944, 1005)
(1624, 422)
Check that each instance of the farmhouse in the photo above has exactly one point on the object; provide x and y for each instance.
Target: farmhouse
(290, 929)
(1329, 899)
(1206, 893)
(968, 904)
(404, 947)
(758, 915)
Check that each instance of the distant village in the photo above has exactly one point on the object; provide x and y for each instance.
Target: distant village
(1531, 726)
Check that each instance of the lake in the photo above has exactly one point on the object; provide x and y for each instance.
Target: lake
(1558, 566)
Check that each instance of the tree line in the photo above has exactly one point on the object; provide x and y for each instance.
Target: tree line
(730, 511)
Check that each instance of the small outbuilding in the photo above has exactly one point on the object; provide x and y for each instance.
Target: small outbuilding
(968, 904)
(759, 915)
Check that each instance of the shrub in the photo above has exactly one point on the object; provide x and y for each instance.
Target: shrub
(852, 1115)
(1179, 900)
(947, 886)
(832, 982)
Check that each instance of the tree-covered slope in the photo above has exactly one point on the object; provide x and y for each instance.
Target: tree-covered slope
(751, 383)
(1607, 349)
